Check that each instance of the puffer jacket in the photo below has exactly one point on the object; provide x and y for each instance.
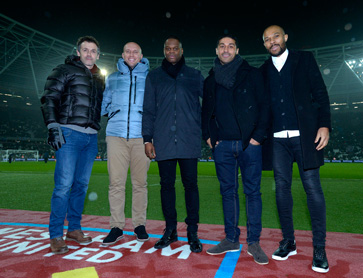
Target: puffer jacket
(73, 95)
(123, 100)
(172, 113)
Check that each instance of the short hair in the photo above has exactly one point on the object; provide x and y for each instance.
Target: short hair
(282, 29)
(87, 39)
(228, 36)
(174, 38)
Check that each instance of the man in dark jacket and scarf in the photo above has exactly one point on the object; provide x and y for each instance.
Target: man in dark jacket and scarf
(71, 106)
(300, 113)
(234, 123)
(171, 128)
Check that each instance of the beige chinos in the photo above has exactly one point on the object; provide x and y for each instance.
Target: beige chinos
(123, 154)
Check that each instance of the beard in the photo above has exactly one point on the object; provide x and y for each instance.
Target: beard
(276, 54)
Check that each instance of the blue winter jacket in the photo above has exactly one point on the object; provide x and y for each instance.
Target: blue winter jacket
(123, 100)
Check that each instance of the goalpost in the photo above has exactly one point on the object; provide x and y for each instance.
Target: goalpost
(19, 155)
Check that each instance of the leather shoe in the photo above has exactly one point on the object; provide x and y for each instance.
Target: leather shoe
(58, 246)
(170, 236)
(78, 236)
(194, 242)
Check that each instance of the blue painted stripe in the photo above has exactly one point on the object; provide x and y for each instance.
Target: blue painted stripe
(102, 231)
(225, 270)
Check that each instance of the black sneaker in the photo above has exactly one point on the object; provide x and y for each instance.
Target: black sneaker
(141, 234)
(194, 242)
(170, 236)
(320, 261)
(287, 248)
(114, 235)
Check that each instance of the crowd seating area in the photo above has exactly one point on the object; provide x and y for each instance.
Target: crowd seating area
(22, 127)
(346, 139)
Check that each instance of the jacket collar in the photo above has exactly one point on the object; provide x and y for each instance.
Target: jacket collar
(242, 72)
(294, 56)
(76, 61)
(244, 66)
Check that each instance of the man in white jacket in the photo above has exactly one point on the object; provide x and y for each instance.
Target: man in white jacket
(123, 104)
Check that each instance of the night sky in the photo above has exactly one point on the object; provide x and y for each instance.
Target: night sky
(198, 24)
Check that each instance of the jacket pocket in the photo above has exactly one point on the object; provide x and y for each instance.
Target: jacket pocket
(113, 114)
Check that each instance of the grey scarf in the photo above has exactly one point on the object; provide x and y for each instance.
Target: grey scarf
(225, 75)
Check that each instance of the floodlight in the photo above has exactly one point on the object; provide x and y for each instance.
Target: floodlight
(356, 65)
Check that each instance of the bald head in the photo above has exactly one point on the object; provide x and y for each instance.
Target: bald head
(274, 40)
(273, 28)
(133, 45)
(132, 54)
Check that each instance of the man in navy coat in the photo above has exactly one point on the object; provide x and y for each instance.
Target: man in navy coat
(171, 128)
(300, 125)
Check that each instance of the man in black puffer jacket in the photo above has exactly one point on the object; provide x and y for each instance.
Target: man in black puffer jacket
(71, 107)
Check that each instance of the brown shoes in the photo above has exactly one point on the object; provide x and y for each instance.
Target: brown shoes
(58, 246)
(78, 236)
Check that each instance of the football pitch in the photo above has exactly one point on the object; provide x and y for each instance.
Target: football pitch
(29, 186)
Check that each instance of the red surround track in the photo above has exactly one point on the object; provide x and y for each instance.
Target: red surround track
(25, 252)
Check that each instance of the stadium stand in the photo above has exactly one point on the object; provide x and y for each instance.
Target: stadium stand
(27, 57)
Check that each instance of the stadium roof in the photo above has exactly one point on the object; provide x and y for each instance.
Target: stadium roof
(27, 56)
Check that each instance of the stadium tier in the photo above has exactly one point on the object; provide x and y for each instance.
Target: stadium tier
(27, 57)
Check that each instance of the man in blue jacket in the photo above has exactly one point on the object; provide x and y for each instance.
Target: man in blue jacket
(171, 127)
(300, 113)
(234, 122)
(122, 103)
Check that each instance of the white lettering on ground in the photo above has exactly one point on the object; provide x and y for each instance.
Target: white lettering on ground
(167, 251)
(98, 238)
(20, 247)
(97, 258)
(5, 231)
(22, 234)
(133, 245)
(50, 254)
(77, 254)
(21, 240)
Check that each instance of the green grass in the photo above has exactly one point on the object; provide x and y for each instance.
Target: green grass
(29, 186)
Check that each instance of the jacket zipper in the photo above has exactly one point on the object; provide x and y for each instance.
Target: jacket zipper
(135, 91)
(176, 139)
(92, 99)
(128, 113)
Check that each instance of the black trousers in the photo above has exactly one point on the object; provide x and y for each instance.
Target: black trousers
(285, 152)
(188, 172)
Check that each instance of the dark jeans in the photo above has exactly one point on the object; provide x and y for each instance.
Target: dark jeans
(188, 172)
(228, 158)
(285, 152)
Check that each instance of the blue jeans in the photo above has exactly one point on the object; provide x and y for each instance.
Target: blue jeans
(285, 152)
(229, 157)
(71, 177)
(189, 177)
